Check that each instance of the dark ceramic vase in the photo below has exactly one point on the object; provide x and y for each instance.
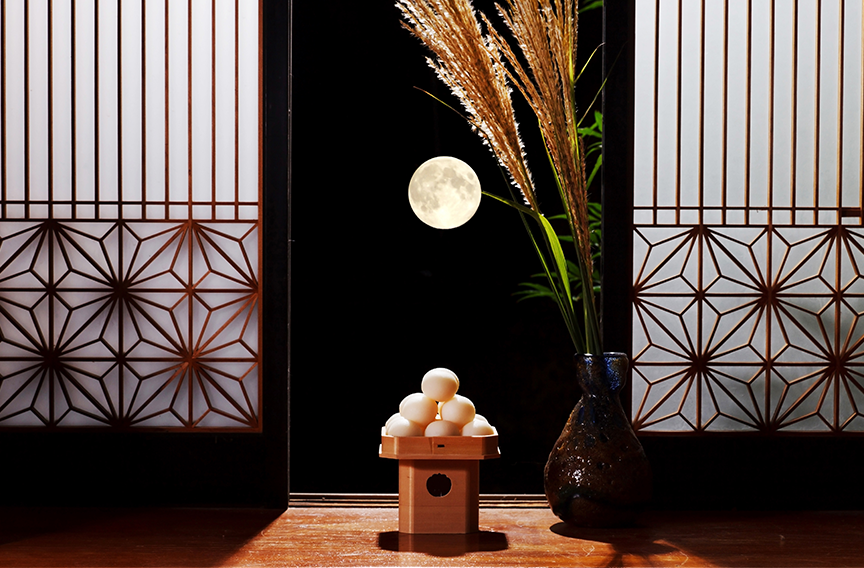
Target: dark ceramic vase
(597, 474)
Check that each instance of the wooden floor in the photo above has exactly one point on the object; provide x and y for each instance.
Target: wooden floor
(365, 536)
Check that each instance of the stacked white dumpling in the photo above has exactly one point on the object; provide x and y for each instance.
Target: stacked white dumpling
(438, 410)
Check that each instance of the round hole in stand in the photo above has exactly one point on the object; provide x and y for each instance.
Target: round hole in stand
(438, 485)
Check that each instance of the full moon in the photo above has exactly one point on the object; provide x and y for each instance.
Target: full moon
(444, 192)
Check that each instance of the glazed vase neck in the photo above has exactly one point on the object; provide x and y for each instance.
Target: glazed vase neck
(601, 375)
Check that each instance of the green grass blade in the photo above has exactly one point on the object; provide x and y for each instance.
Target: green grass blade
(565, 306)
(593, 53)
(594, 170)
(558, 256)
(515, 205)
(590, 5)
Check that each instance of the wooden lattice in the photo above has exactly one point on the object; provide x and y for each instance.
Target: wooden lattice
(129, 323)
(129, 214)
(748, 293)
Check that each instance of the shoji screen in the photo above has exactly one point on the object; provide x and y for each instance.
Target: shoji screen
(748, 248)
(130, 214)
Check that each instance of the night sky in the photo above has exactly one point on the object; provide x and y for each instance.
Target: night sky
(379, 298)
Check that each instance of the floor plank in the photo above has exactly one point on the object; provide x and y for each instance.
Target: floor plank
(366, 536)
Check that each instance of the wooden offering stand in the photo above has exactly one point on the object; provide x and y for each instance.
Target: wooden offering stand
(439, 481)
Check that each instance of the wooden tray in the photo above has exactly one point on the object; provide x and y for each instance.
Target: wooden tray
(439, 447)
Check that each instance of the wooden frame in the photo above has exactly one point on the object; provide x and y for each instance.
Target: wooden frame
(439, 481)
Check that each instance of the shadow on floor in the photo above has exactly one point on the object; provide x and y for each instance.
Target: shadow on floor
(734, 539)
(633, 542)
(127, 537)
(443, 545)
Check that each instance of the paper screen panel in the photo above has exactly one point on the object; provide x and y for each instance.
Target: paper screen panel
(748, 239)
(129, 223)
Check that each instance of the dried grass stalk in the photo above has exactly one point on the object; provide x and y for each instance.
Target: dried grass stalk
(473, 69)
(546, 31)
(472, 64)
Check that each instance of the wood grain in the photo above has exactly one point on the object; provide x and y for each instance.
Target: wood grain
(367, 536)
